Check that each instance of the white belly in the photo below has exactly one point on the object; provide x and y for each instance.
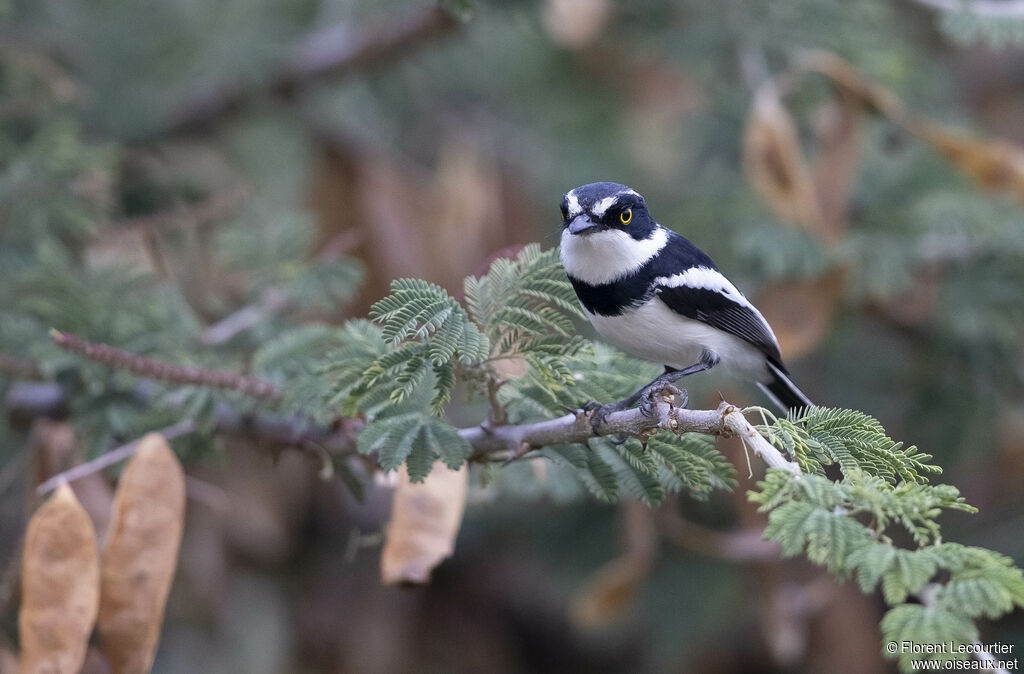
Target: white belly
(656, 333)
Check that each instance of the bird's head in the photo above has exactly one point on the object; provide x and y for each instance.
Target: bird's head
(607, 233)
(605, 207)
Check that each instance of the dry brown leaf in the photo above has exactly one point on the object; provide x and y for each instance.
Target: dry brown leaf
(425, 519)
(140, 555)
(60, 586)
(995, 164)
(851, 81)
(775, 164)
(802, 311)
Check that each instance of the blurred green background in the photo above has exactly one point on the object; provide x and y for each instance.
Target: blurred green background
(165, 164)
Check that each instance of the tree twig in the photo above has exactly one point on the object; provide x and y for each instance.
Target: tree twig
(110, 458)
(332, 52)
(571, 428)
(155, 369)
(499, 416)
(511, 441)
(272, 302)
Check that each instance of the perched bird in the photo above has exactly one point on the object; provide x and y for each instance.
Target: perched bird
(655, 295)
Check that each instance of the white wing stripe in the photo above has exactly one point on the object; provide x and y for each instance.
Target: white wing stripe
(706, 279)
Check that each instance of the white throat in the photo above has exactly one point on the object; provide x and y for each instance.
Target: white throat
(608, 255)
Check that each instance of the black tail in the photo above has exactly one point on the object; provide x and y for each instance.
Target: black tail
(782, 391)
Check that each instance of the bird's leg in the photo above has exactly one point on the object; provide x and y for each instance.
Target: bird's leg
(663, 383)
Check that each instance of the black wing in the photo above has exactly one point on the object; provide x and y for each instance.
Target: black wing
(721, 312)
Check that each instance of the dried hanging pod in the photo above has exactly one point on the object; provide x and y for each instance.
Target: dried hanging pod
(425, 519)
(60, 586)
(140, 555)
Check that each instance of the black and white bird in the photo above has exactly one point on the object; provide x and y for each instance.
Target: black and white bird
(655, 295)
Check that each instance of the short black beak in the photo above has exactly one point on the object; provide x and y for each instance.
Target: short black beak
(581, 224)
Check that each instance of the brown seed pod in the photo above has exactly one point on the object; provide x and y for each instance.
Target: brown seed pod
(140, 555)
(60, 586)
(425, 520)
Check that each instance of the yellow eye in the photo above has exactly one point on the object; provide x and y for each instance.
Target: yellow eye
(625, 216)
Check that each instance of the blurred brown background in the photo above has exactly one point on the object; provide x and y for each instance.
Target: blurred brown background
(855, 167)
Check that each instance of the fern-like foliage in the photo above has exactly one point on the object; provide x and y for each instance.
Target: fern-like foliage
(295, 360)
(415, 438)
(597, 372)
(667, 464)
(326, 285)
(429, 333)
(526, 307)
(823, 436)
(845, 525)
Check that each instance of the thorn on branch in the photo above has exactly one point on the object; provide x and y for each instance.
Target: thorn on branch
(519, 452)
(169, 372)
(499, 417)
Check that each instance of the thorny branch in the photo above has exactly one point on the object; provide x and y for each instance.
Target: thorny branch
(489, 440)
(155, 369)
(575, 427)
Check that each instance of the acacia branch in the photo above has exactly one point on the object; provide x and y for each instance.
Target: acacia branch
(576, 428)
(155, 369)
(488, 439)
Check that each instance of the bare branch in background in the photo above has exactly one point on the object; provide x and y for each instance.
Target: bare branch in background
(110, 458)
(333, 52)
(271, 302)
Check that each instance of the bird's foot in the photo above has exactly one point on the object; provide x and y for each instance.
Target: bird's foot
(650, 396)
(599, 413)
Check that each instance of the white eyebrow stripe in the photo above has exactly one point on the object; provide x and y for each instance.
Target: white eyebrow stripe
(573, 203)
(602, 206)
